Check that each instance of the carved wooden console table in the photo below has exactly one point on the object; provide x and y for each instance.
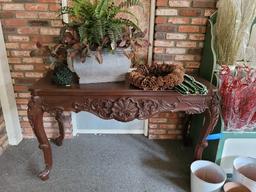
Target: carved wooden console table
(114, 101)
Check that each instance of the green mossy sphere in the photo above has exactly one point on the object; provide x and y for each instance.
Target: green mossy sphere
(63, 76)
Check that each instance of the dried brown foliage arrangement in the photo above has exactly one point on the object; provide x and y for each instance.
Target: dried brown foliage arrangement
(232, 29)
(156, 77)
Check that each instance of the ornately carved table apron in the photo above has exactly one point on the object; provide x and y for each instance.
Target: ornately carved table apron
(114, 101)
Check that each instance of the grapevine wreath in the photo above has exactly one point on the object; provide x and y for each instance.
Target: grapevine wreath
(156, 77)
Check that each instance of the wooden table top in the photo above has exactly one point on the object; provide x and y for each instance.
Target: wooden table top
(44, 86)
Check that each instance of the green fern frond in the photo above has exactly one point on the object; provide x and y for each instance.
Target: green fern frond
(129, 13)
(130, 3)
(101, 8)
(99, 20)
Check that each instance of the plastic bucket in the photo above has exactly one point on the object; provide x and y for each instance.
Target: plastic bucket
(235, 187)
(244, 172)
(206, 176)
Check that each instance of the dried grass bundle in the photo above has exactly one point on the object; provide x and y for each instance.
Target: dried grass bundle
(232, 28)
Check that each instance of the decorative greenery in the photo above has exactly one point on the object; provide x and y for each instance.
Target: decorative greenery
(95, 25)
(101, 24)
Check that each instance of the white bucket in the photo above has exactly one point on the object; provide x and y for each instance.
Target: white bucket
(206, 176)
(235, 187)
(244, 172)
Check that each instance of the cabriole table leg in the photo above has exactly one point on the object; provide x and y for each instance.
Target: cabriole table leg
(59, 118)
(211, 119)
(35, 115)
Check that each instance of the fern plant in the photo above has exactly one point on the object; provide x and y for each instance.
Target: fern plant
(95, 25)
(103, 24)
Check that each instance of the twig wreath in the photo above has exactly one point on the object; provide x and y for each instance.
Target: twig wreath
(156, 77)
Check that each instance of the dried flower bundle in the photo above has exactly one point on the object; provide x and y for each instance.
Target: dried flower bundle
(232, 28)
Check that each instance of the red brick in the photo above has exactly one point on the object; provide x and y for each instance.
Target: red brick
(190, 12)
(195, 51)
(12, 45)
(179, 3)
(36, 7)
(184, 57)
(202, 29)
(159, 50)
(28, 46)
(167, 126)
(179, 20)
(20, 88)
(174, 132)
(192, 64)
(157, 131)
(7, 14)
(162, 2)
(167, 12)
(26, 15)
(49, 31)
(42, 39)
(13, 6)
(157, 120)
(14, 60)
(186, 44)
(54, 7)
(160, 20)
(32, 60)
(163, 136)
(25, 95)
(162, 43)
(204, 3)
(189, 29)
(197, 37)
(15, 22)
(48, 1)
(199, 21)
(34, 74)
(17, 74)
(152, 126)
(56, 23)
(165, 28)
(47, 15)
(160, 35)
(163, 57)
(16, 38)
(209, 12)
(176, 36)
(28, 30)
(22, 101)
(23, 67)
(20, 53)
(175, 51)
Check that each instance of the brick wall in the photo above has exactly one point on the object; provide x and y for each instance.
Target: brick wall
(179, 36)
(24, 23)
(3, 136)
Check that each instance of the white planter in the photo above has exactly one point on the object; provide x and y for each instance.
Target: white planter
(244, 172)
(206, 176)
(113, 69)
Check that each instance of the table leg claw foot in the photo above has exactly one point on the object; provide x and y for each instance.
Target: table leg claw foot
(57, 141)
(44, 175)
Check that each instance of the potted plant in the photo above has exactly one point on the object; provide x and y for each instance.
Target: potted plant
(100, 42)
